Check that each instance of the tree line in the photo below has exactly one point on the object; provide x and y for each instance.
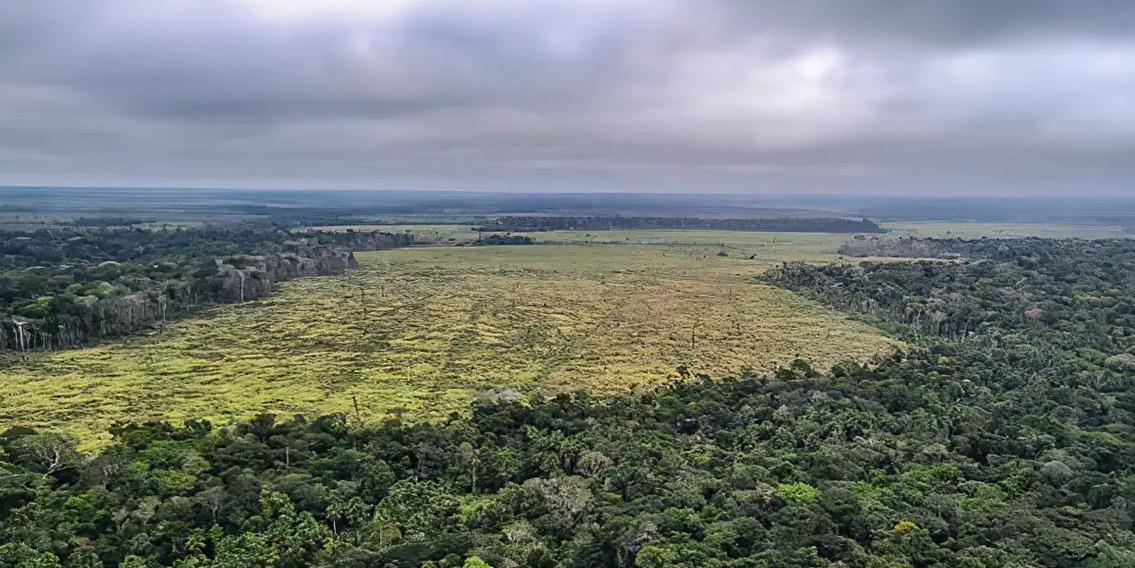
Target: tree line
(67, 287)
(501, 240)
(1071, 294)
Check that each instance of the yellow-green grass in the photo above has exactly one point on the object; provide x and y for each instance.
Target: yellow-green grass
(766, 246)
(1003, 230)
(424, 330)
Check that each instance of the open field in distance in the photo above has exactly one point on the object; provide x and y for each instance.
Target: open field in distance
(450, 234)
(769, 245)
(948, 229)
(424, 330)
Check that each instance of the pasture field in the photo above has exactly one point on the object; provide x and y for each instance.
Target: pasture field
(950, 229)
(821, 242)
(774, 245)
(422, 331)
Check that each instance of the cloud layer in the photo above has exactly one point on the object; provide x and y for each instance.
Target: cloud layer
(905, 98)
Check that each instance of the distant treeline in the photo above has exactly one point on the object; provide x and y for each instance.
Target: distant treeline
(496, 240)
(110, 221)
(781, 224)
(67, 287)
(910, 247)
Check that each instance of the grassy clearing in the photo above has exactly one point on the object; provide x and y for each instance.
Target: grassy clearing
(766, 247)
(422, 331)
(772, 245)
(1004, 230)
(819, 242)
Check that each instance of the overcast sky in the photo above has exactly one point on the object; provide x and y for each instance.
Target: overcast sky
(912, 97)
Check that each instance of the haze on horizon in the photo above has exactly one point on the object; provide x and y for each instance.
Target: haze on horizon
(916, 98)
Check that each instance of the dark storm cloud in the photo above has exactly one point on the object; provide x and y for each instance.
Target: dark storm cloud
(672, 95)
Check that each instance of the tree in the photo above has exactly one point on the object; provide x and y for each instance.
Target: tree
(19, 555)
(48, 453)
(475, 562)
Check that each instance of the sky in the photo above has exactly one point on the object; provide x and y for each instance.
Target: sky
(910, 98)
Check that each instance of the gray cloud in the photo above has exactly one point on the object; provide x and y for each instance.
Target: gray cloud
(907, 97)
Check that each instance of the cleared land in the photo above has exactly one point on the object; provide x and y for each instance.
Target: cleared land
(1004, 230)
(449, 234)
(424, 330)
(767, 245)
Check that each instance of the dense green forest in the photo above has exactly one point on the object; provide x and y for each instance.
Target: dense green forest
(1002, 437)
(64, 287)
(1077, 295)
